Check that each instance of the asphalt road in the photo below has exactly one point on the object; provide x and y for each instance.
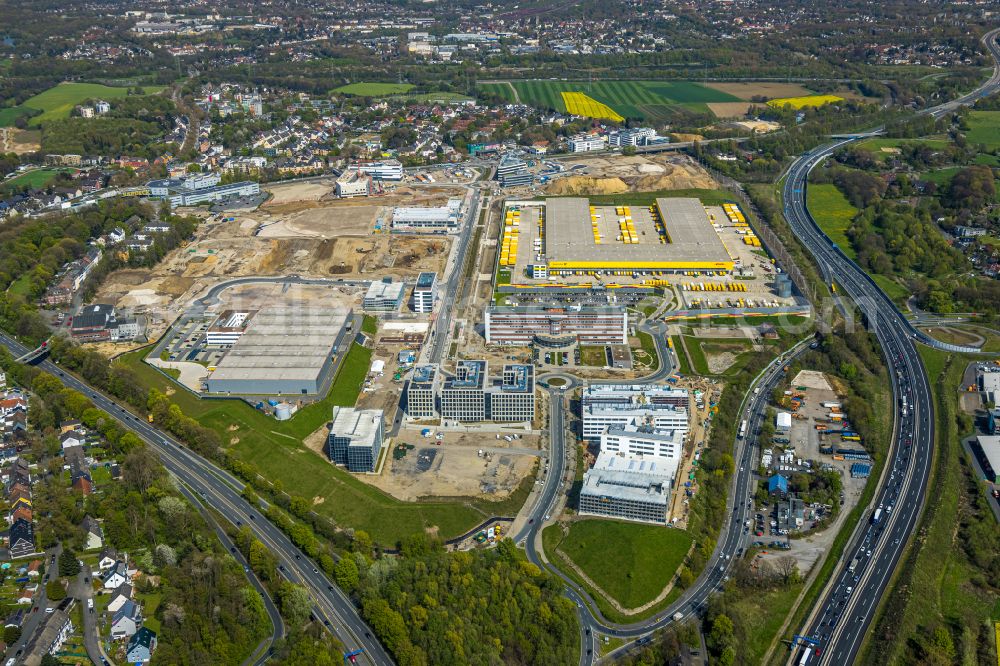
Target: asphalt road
(221, 490)
(838, 626)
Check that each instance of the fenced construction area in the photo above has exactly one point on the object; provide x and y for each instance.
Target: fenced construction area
(650, 101)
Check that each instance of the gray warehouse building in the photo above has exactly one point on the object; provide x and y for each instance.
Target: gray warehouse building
(356, 438)
(284, 351)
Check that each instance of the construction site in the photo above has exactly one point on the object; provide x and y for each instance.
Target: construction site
(300, 231)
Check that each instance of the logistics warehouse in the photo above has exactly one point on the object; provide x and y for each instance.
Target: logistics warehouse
(568, 236)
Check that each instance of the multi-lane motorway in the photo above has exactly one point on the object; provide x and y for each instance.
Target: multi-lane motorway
(221, 490)
(838, 625)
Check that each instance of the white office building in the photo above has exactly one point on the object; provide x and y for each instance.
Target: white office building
(585, 143)
(440, 219)
(621, 406)
(631, 137)
(387, 170)
(424, 293)
(354, 184)
(356, 438)
(634, 440)
(384, 296)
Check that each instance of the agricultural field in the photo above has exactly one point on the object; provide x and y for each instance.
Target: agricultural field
(580, 105)
(833, 213)
(650, 101)
(58, 101)
(370, 89)
(805, 101)
(985, 129)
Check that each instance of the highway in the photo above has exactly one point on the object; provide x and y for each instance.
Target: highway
(221, 490)
(837, 628)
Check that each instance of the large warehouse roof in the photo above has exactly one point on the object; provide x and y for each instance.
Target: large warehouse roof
(692, 241)
(283, 344)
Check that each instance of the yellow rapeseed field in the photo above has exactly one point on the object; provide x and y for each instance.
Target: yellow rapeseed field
(579, 104)
(802, 102)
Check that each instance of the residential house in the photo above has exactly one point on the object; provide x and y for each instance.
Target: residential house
(140, 647)
(107, 559)
(71, 439)
(34, 569)
(115, 576)
(25, 597)
(21, 541)
(95, 535)
(118, 598)
(82, 483)
(126, 620)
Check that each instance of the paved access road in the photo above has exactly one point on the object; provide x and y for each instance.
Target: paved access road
(221, 490)
(837, 628)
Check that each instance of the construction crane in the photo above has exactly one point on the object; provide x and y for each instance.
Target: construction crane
(352, 657)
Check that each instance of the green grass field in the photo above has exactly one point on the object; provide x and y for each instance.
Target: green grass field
(21, 285)
(642, 562)
(370, 89)
(58, 101)
(877, 144)
(10, 114)
(648, 100)
(275, 448)
(36, 178)
(941, 177)
(833, 212)
(985, 128)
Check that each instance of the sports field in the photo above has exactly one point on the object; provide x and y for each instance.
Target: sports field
(58, 101)
(653, 101)
(371, 89)
(35, 179)
(805, 101)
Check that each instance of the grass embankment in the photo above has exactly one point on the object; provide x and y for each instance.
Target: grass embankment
(833, 213)
(552, 538)
(648, 345)
(596, 355)
(942, 599)
(275, 448)
(642, 562)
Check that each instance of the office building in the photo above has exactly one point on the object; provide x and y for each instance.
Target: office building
(100, 323)
(638, 136)
(384, 296)
(228, 327)
(198, 188)
(463, 395)
(989, 383)
(437, 219)
(469, 395)
(354, 184)
(627, 487)
(356, 438)
(283, 351)
(513, 171)
(386, 170)
(620, 406)
(511, 398)
(424, 293)
(645, 441)
(421, 392)
(585, 143)
(524, 325)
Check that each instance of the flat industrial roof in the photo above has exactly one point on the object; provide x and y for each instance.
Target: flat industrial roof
(692, 240)
(629, 478)
(361, 425)
(283, 344)
(990, 444)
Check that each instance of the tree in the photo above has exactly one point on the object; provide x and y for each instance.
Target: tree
(11, 635)
(346, 574)
(141, 468)
(294, 604)
(55, 591)
(164, 555)
(69, 564)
